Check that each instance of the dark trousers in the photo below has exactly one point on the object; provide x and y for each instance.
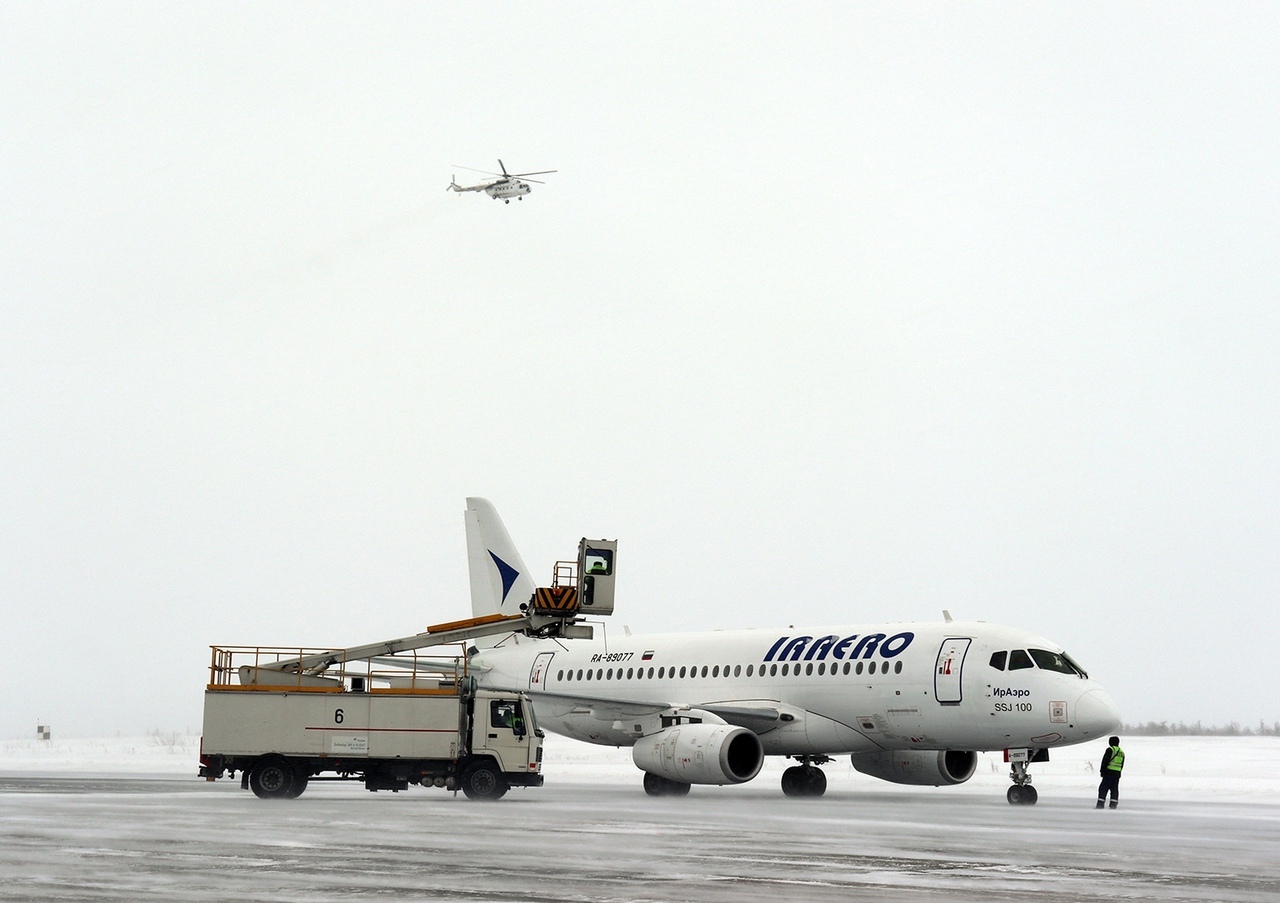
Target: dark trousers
(1110, 784)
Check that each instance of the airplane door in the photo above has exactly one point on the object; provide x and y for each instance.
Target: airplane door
(946, 676)
(538, 673)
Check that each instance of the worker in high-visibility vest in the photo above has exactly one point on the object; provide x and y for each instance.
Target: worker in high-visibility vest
(1112, 765)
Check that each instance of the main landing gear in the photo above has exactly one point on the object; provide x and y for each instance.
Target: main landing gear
(1021, 793)
(806, 779)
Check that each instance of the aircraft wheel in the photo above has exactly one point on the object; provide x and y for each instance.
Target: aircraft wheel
(1022, 795)
(815, 781)
(483, 782)
(272, 779)
(793, 781)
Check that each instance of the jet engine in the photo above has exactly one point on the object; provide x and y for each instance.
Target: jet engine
(932, 768)
(700, 754)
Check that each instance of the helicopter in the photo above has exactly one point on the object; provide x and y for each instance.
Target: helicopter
(508, 186)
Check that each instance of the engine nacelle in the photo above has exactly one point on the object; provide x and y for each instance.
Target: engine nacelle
(700, 754)
(931, 768)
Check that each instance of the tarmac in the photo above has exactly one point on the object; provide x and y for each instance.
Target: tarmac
(171, 838)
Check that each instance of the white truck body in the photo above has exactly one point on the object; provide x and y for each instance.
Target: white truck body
(283, 730)
(337, 725)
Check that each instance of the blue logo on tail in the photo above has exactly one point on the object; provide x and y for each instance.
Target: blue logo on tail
(509, 575)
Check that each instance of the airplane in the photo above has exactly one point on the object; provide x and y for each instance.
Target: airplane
(507, 187)
(911, 703)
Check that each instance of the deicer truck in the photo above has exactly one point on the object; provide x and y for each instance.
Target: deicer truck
(286, 717)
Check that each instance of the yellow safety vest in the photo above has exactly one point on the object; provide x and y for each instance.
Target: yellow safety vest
(1117, 759)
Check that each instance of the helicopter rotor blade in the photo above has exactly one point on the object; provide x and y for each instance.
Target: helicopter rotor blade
(541, 172)
(485, 171)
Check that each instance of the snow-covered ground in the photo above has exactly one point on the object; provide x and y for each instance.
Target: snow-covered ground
(1222, 769)
(127, 819)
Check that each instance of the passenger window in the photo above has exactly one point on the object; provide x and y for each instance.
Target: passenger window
(704, 670)
(737, 671)
(715, 672)
(822, 668)
(1018, 660)
(808, 669)
(560, 676)
(785, 669)
(846, 667)
(630, 671)
(651, 673)
(858, 669)
(997, 660)
(897, 667)
(749, 667)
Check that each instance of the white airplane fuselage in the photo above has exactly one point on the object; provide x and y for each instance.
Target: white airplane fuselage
(825, 691)
(911, 703)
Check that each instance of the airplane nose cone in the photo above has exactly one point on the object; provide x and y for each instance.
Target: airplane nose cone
(1096, 714)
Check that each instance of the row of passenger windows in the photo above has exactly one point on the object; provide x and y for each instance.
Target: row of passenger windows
(773, 670)
(1019, 659)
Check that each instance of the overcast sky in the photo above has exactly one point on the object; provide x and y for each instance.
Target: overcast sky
(836, 313)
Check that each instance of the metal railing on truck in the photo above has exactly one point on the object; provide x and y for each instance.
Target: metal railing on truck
(258, 669)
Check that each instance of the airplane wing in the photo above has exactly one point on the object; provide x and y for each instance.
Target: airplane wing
(423, 664)
(757, 716)
(605, 709)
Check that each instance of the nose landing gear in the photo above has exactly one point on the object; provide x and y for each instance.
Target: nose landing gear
(1021, 793)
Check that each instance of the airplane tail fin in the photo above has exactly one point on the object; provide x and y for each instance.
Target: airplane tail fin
(500, 582)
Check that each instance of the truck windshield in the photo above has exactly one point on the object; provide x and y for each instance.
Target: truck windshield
(527, 714)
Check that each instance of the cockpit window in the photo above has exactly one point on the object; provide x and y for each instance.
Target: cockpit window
(1018, 659)
(1073, 664)
(1052, 661)
(997, 660)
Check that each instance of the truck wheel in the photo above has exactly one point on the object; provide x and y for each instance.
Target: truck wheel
(272, 779)
(299, 785)
(483, 781)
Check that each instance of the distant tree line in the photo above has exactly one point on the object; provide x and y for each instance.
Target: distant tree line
(1181, 729)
